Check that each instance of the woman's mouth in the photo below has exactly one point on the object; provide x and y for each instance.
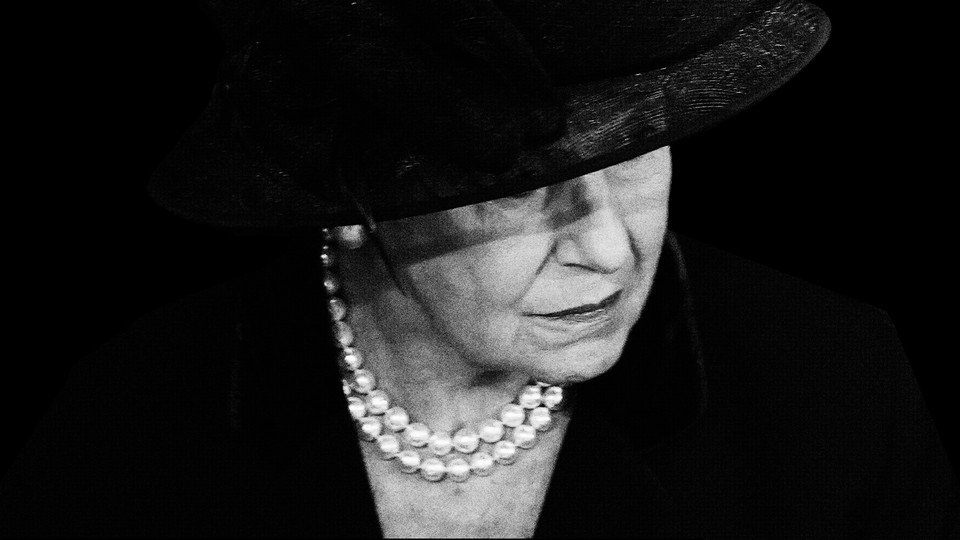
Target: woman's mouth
(584, 312)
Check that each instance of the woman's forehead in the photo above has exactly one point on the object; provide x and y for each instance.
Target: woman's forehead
(540, 210)
(651, 164)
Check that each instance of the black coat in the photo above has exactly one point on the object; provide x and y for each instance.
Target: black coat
(759, 406)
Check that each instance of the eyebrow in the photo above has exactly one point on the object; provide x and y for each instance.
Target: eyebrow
(566, 212)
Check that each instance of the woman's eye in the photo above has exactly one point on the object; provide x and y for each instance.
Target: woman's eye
(516, 205)
(521, 196)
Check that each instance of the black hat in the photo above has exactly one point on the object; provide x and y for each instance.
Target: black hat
(328, 110)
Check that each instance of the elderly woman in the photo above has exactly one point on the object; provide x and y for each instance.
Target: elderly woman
(485, 328)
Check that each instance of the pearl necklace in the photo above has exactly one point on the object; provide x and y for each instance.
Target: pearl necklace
(459, 456)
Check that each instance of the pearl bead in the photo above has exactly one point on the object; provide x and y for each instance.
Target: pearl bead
(326, 234)
(481, 464)
(362, 381)
(389, 446)
(512, 415)
(531, 413)
(357, 407)
(553, 397)
(466, 441)
(337, 308)
(328, 257)
(530, 397)
(491, 430)
(350, 359)
(418, 434)
(433, 469)
(370, 427)
(458, 469)
(396, 419)
(331, 283)
(524, 436)
(351, 236)
(377, 402)
(409, 461)
(540, 419)
(440, 443)
(342, 334)
(505, 452)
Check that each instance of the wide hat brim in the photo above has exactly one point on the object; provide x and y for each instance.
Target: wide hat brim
(212, 178)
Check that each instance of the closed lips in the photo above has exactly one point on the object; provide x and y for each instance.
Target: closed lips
(585, 308)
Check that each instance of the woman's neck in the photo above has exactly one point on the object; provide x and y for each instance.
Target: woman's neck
(420, 371)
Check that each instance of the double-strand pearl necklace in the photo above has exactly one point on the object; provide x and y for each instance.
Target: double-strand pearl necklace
(413, 445)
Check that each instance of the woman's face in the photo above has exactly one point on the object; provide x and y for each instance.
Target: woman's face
(495, 278)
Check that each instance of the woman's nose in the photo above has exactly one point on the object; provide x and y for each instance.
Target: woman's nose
(596, 237)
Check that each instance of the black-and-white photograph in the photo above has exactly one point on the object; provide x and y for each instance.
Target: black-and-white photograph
(479, 268)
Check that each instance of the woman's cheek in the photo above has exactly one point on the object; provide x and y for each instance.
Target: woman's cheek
(487, 314)
(509, 266)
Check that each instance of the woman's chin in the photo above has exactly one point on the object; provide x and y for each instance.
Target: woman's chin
(578, 362)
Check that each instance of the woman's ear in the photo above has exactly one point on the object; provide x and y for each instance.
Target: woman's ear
(363, 263)
(388, 264)
(350, 236)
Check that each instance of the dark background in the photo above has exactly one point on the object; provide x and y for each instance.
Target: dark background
(835, 178)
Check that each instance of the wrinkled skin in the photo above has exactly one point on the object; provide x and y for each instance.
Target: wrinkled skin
(461, 331)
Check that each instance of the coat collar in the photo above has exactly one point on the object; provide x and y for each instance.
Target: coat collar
(307, 475)
(602, 486)
(659, 379)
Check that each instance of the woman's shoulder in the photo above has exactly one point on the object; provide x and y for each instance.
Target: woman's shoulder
(209, 324)
(194, 350)
(788, 349)
(813, 416)
(144, 428)
(746, 308)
